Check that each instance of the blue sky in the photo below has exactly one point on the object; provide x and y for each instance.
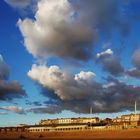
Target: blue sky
(59, 58)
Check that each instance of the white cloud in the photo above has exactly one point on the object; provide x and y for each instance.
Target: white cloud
(108, 51)
(45, 76)
(66, 29)
(64, 85)
(83, 77)
(109, 85)
(80, 91)
(14, 109)
(55, 33)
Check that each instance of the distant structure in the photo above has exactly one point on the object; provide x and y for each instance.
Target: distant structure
(135, 107)
(80, 124)
(91, 111)
(21, 125)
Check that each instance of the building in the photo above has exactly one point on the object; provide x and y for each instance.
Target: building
(65, 121)
(131, 119)
(117, 120)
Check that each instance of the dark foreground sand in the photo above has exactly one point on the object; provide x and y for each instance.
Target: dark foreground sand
(133, 134)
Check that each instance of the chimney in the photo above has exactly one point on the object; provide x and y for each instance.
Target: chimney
(135, 107)
(91, 111)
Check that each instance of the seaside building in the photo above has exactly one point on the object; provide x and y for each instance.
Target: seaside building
(64, 121)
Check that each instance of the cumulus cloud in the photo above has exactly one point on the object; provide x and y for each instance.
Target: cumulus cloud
(57, 33)
(72, 30)
(84, 77)
(79, 92)
(18, 3)
(64, 85)
(8, 90)
(110, 63)
(14, 109)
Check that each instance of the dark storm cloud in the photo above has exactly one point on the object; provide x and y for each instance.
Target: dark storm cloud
(110, 63)
(8, 89)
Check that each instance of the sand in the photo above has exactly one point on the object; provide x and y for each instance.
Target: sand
(132, 134)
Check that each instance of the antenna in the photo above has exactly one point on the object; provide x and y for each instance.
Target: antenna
(135, 107)
(91, 111)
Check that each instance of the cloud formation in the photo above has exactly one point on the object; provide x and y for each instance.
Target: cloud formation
(70, 30)
(14, 109)
(110, 63)
(73, 29)
(4, 69)
(135, 73)
(8, 90)
(79, 92)
(20, 4)
(11, 90)
(57, 33)
(136, 58)
(46, 109)
(64, 85)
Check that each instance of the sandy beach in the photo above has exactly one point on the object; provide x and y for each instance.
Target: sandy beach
(133, 134)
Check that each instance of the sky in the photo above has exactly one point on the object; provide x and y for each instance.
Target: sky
(59, 58)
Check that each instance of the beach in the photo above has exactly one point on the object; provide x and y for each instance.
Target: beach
(133, 134)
